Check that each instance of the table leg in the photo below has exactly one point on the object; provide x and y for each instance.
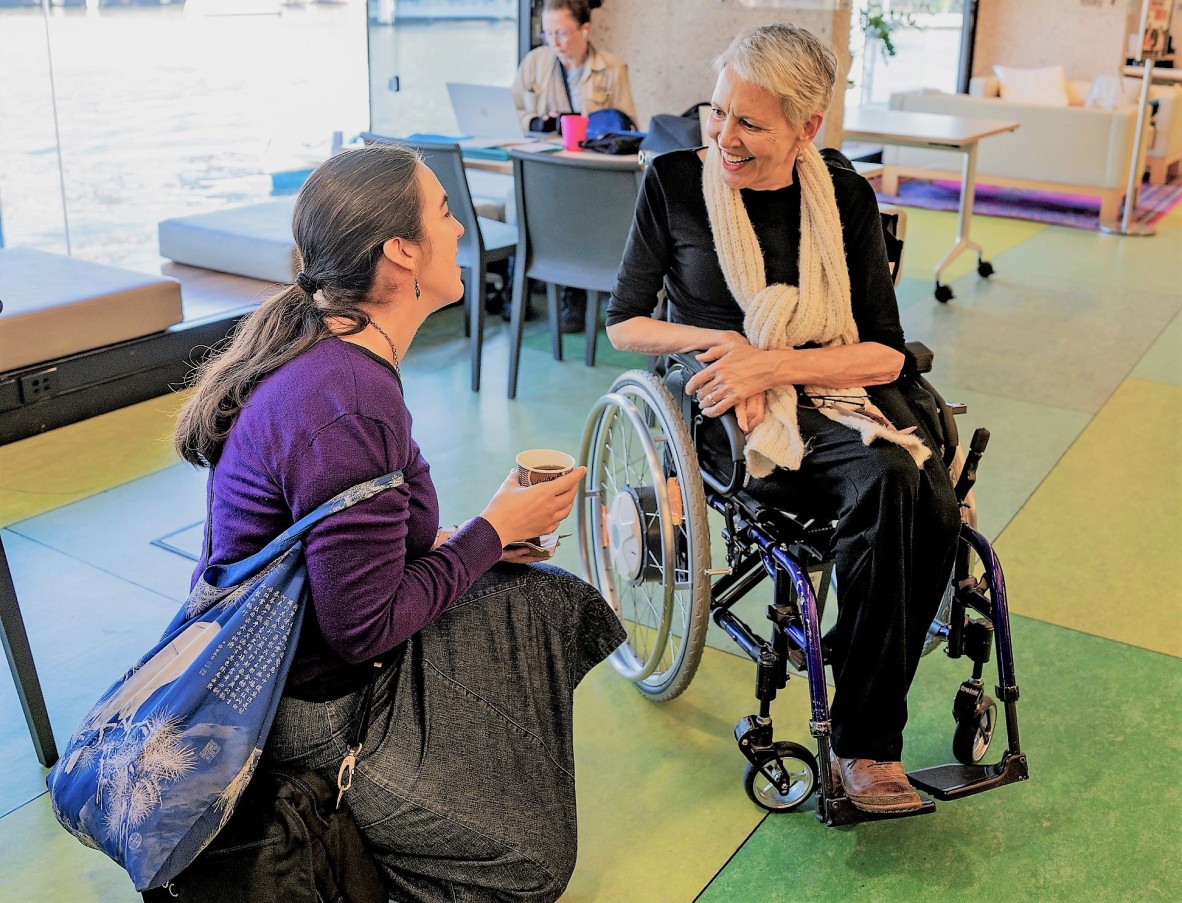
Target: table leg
(968, 184)
(24, 672)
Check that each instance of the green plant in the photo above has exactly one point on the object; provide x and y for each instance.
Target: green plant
(878, 24)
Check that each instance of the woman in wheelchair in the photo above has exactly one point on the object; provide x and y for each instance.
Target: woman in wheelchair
(774, 269)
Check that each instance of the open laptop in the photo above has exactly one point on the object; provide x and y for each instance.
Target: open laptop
(486, 113)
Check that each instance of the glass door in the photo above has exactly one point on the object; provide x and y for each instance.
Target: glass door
(904, 45)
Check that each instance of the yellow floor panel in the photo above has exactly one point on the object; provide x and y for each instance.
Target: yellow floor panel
(40, 861)
(79, 460)
(1096, 547)
(661, 801)
(931, 233)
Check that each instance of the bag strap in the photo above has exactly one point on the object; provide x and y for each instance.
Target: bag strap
(566, 85)
(361, 727)
(292, 534)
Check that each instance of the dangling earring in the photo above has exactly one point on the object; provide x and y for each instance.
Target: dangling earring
(417, 292)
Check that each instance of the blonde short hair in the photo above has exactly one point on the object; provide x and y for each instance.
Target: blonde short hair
(788, 61)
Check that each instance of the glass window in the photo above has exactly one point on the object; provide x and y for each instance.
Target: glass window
(903, 45)
(417, 46)
(165, 109)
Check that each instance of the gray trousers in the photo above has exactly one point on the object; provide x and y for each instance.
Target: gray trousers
(465, 790)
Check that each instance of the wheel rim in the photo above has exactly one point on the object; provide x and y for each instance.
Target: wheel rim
(635, 545)
(795, 771)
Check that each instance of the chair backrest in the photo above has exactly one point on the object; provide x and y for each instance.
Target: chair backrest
(573, 217)
(894, 231)
(447, 163)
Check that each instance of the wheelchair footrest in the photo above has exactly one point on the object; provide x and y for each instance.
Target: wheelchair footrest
(840, 811)
(949, 782)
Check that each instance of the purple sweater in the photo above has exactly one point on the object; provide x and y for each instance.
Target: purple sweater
(334, 417)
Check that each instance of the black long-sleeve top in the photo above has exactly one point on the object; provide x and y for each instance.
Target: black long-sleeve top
(671, 245)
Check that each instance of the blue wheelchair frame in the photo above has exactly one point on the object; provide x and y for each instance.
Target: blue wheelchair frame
(761, 542)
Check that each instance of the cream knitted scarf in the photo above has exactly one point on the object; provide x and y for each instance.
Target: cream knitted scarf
(781, 316)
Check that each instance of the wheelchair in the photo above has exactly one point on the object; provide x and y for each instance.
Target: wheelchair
(644, 542)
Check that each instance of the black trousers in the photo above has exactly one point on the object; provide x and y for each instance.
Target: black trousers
(895, 541)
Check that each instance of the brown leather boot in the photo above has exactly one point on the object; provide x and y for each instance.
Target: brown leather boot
(877, 786)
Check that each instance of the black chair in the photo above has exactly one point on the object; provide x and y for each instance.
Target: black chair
(484, 241)
(573, 218)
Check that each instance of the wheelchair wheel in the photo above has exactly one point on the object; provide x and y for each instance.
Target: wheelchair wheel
(974, 733)
(643, 532)
(784, 778)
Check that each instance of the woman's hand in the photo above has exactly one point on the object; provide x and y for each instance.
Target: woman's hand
(736, 371)
(518, 512)
(751, 411)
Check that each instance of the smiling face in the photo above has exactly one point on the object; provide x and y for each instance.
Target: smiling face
(566, 36)
(438, 273)
(758, 144)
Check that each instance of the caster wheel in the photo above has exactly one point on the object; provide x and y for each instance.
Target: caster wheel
(984, 269)
(973, 734)
(943, 293)
(785, 777)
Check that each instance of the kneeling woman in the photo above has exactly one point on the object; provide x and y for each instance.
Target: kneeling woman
(465, 788)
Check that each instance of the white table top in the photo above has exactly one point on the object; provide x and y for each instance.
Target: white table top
(936, 130)
(1159, 75)
(869, 170)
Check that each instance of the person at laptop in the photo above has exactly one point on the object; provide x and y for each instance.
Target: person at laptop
(569, 74)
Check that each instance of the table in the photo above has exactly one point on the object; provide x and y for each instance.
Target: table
(24, 672)
(505, 167)
(935, 131)
(1158, 75)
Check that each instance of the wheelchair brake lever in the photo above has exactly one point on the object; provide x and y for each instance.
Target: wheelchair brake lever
(968, 473)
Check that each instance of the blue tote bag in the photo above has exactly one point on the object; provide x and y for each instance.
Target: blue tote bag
(157, 767)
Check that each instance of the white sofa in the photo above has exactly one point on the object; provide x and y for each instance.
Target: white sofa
(1070, 150)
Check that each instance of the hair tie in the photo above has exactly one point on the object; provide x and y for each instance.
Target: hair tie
(306, 282)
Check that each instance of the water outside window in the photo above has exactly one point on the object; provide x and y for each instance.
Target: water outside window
(165, 109)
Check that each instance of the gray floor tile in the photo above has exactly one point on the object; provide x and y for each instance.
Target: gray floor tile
(114, 530)
(1048, 345)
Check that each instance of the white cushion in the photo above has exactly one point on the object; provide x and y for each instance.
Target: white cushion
(253, 241)
(1045, 86)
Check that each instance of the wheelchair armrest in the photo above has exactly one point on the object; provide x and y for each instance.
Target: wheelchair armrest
(679, 370)
(922, 355)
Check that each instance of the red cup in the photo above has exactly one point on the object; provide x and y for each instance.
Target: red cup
(574, 130)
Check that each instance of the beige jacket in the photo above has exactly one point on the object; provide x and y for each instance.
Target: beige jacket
(538, 88)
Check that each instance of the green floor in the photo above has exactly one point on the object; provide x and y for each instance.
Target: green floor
(1072, 356)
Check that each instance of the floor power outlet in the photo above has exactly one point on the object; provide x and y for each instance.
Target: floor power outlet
(38, 386)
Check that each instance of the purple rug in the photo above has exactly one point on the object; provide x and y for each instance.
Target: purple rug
(1077, 211)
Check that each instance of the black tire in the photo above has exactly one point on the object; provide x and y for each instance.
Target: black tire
(790, 765)
(973, 735)
(643, 531)
(943, 293)
(984, 269)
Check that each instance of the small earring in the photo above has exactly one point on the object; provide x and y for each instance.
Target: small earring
(418, 293)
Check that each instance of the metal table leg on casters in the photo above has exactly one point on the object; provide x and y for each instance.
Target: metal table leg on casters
(934, 131)
(968, 182)
(20, 663)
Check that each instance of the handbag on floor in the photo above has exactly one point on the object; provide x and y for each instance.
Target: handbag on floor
(157, 767)
(292, 838)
